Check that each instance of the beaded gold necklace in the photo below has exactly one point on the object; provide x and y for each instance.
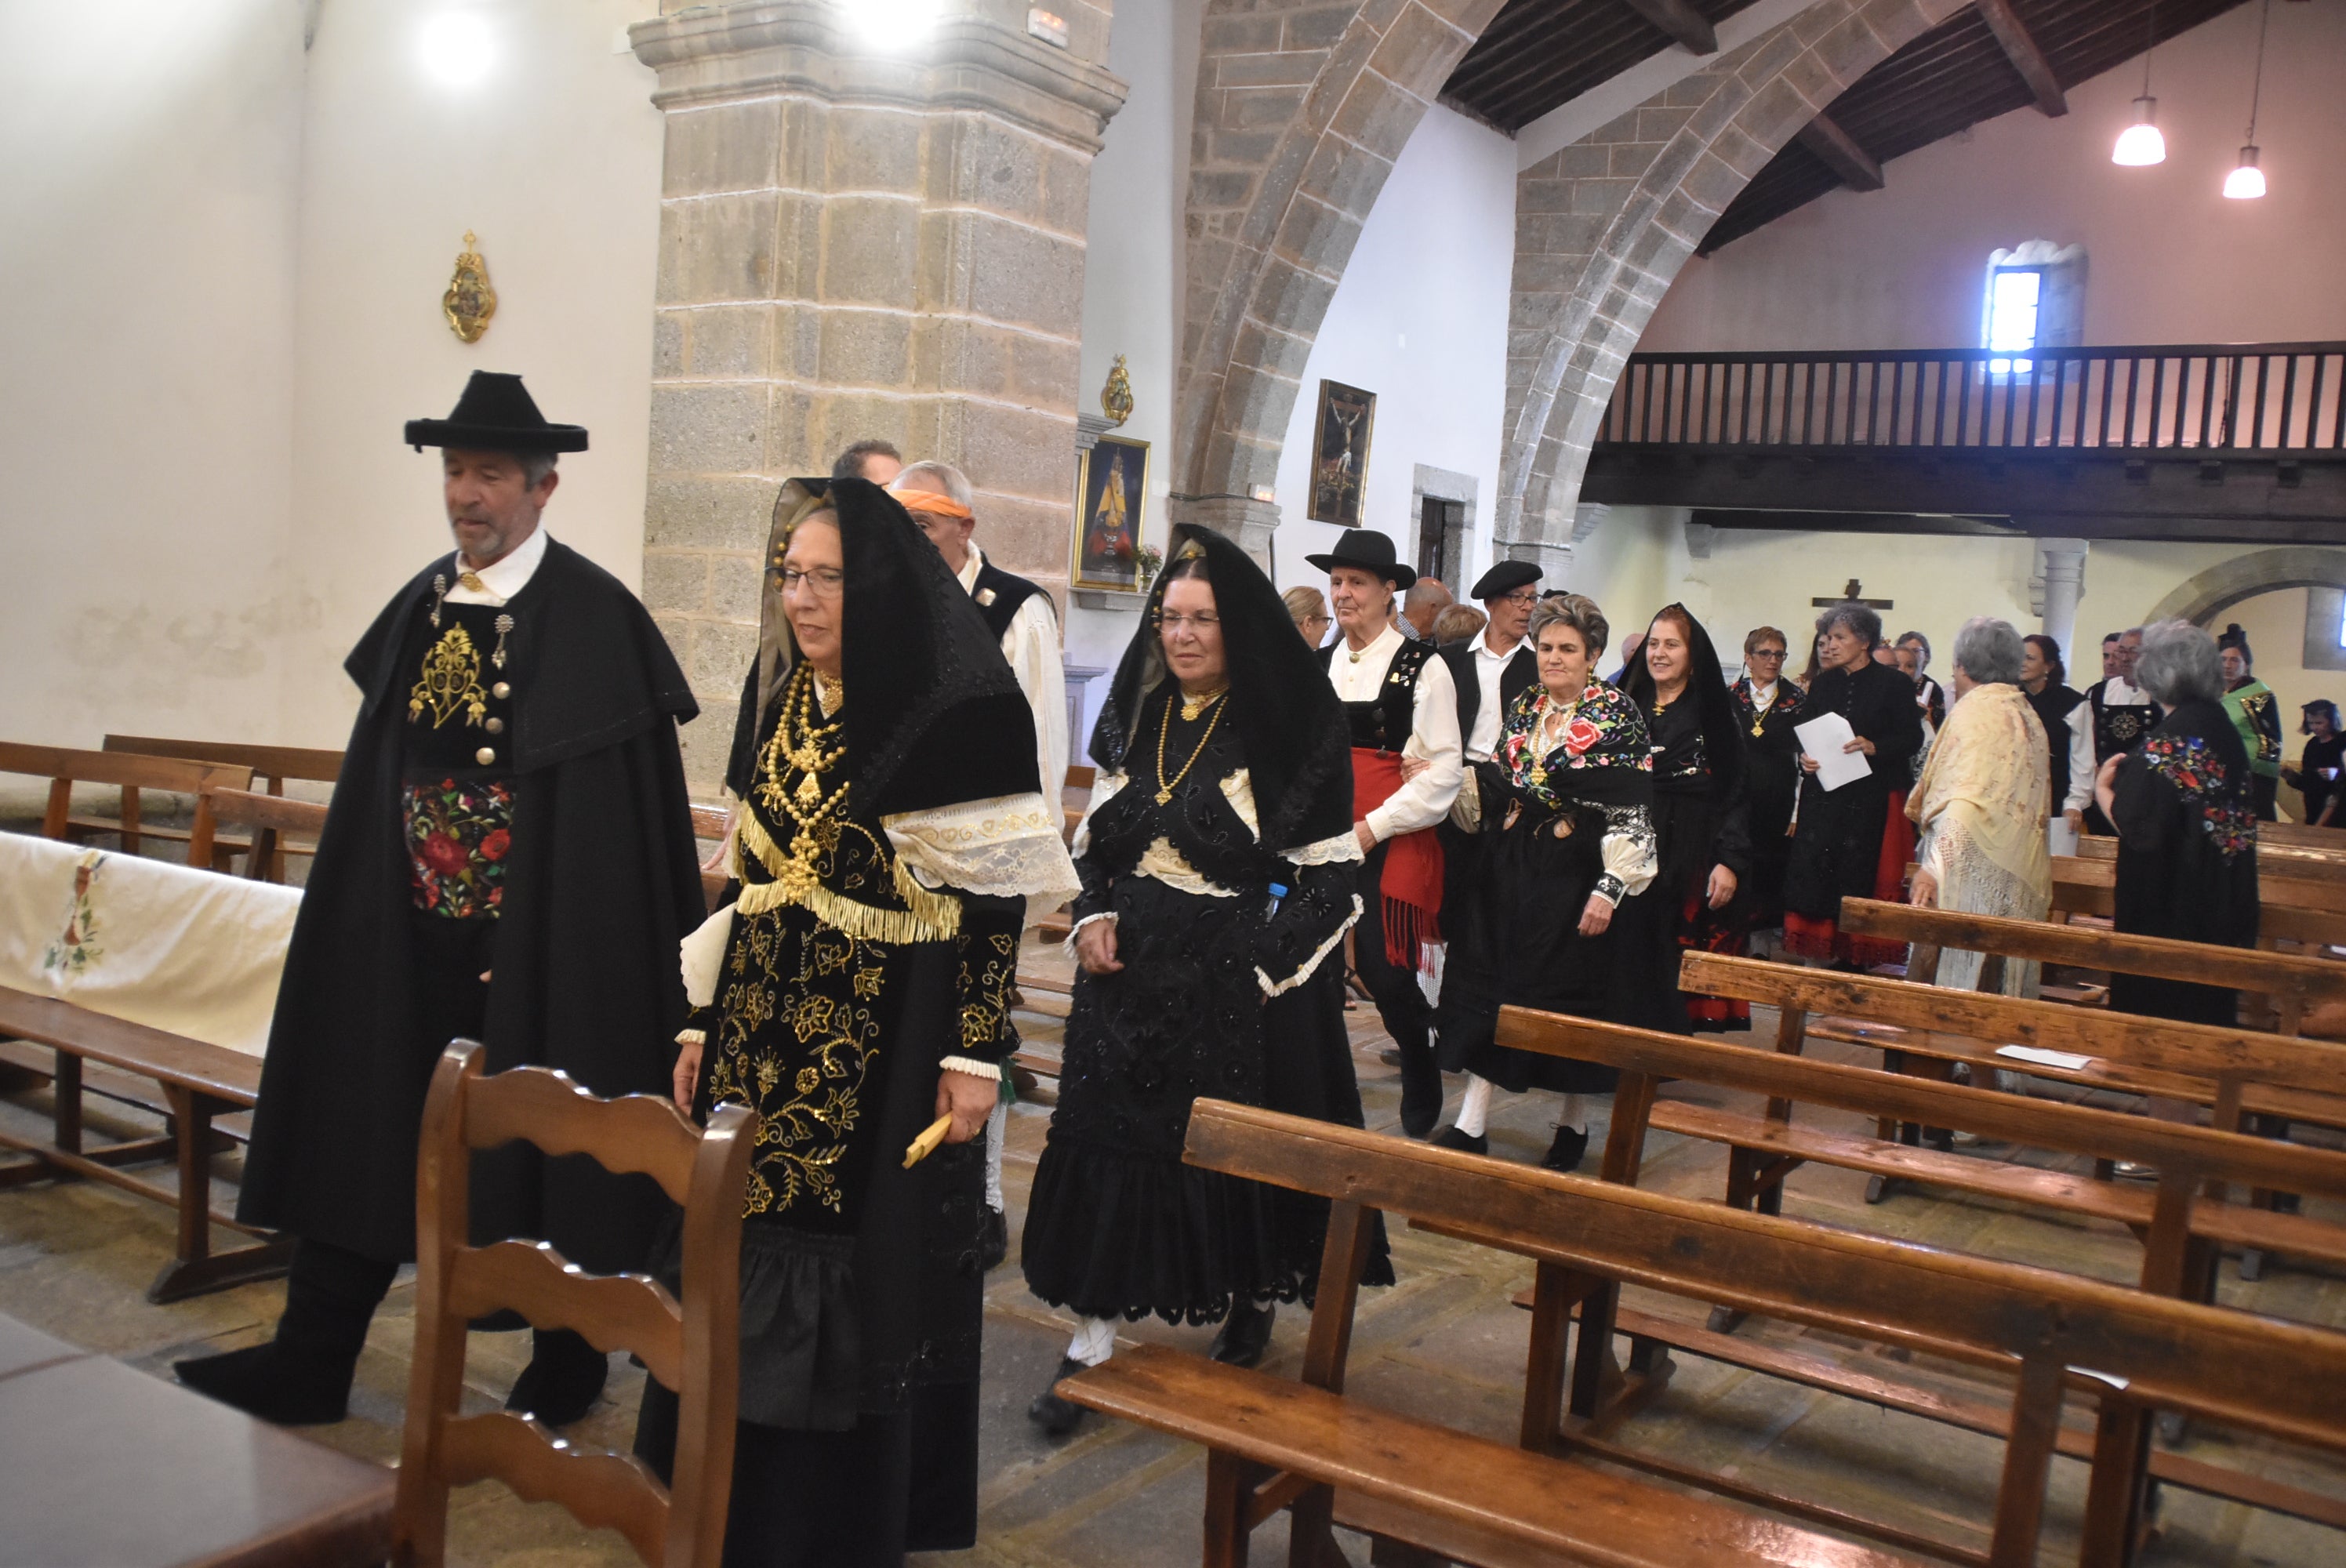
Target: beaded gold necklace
(1165, 785)
(803, 741)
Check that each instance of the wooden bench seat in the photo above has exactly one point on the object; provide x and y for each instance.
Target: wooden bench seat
(2308, 910)
(65, 767)
(2129, 1351)
(198, 1081)
(1443, 1490)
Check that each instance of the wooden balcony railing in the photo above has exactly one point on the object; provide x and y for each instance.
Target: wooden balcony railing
(2278, 398)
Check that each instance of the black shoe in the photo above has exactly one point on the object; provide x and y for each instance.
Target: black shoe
(995, 1246)
(1466, 1143)
(1421, 1090)
(1054, 1415)
(272, 1383)
(1390, 1056)
(1244, 1335)
(1564, 1153)
(563, 1380)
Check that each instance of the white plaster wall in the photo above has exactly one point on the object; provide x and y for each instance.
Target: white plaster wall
(1132, 293)
(552, 158)
(2169, 259)
(148, 169)
(1421, 319)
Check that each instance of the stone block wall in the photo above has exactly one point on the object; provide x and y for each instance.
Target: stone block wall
(857, 244)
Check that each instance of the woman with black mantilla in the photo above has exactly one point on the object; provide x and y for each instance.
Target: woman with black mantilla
(1767, 705)
(1850, 842)
(1701, 816)
(850, 990)
(1569, 798)
(1219, 866)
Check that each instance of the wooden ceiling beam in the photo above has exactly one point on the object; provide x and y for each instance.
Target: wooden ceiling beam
(1854, 167)
(1682, 22)
(2012, 37)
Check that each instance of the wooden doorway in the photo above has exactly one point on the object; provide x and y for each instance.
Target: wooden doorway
(1442, 540)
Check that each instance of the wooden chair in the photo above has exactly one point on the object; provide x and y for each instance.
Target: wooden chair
(65, 767)
(267, 818)
(1325, 1457)
(694, 1348)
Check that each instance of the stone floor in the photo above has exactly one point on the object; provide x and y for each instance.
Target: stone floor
(1444, 1344)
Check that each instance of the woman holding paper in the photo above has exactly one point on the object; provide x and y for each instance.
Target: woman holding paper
(1852, 837)
(1980, 802)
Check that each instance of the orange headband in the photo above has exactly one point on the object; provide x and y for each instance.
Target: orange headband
(931, 501)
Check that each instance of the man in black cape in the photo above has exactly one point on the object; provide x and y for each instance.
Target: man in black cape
(509, 857)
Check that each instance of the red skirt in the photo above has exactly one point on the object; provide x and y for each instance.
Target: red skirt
(1822, 939)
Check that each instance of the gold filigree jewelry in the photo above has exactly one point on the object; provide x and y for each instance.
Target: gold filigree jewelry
(1191, 707)
(810, 753)
(1165, 785)
(505, 630)
(451, 680)
(439, 595)
(469, 302)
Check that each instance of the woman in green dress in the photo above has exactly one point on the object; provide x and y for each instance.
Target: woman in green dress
(2255, 712)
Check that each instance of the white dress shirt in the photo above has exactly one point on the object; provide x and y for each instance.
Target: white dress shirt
(2081, 758)
(1491, 712)
(1032, 647)
(503, 581)
(1425, 799)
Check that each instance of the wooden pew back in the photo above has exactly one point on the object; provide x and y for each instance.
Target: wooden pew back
(2229, 1056)
(268, 818)
(64, 767)
(2270, 1376)
(275, 763)
(693, 1349)
(2308, 910)
(2291, 981)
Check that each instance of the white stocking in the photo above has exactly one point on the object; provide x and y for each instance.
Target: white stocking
(1575, 1115)
(996, 1126)
(1474, 1110)
(1095, 1342)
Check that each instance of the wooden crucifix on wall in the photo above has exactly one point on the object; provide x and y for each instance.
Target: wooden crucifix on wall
(1854, 594)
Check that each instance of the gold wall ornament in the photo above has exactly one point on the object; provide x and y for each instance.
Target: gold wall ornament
(1115, 398)
(469, 302)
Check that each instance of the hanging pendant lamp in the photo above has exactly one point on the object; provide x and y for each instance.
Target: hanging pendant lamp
(2247, 182)
(2140, 145)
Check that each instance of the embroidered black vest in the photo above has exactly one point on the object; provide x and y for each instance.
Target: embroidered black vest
(2118, 726)
(1521, 671)
(999, 596)
(456, 796)
(1385, 721)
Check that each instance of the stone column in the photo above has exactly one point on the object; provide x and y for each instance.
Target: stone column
(859, 241)
(2064, 581)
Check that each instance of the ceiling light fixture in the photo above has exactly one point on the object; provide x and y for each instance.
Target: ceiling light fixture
(892, 24)
(457, 47)
(2247, 182)
(2140, 143)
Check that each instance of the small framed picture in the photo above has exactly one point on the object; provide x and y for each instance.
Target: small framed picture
(1340, 452)
(1111, 500)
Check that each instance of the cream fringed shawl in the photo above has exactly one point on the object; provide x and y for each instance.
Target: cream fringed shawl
(1980, 809)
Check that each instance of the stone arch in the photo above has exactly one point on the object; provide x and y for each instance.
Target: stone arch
(1604, 226)
(1302, 108)
(2208, 594)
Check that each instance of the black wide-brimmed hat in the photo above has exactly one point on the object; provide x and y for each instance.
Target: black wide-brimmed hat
(1369, 551)
(496, 413)
(1505, 578)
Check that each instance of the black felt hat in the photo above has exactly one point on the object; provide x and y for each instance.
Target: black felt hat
(1369, 551)
(1505, 578)
(496, 413)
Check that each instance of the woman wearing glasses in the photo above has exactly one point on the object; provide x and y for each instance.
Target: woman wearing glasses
(1218, 861)
(850, 990)
(1766, 705)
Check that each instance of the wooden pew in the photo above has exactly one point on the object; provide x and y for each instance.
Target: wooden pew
(199, 1082)
(273, 764)
(1306, 1448)
(2300, 835)
(2178, 1223)
(267, 819)
(2309, 910)
(2292, 860)
(64, 767)
(2289, 983)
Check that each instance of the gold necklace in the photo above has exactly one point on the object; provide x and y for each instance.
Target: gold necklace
(1165, 728)
(810, 812)
(1191, 707)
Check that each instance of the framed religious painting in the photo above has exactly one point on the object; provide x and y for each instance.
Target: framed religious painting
(1111, 500)
(1340, 452)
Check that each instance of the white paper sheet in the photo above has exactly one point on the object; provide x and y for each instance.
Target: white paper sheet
(2060, 838)
(2068, 1062)
(1824, 738)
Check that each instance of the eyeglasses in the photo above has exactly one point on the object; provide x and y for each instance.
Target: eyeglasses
(1521, 597)
(1314, 620)
(1767, 653)
(823, 581)
(1199, 623)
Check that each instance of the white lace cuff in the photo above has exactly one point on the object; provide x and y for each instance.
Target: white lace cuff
(1311, 965)
(692, 1037)
(1004, 847)
(702, 956)
(972, 1066)
(1327, 851)
(1068, 946)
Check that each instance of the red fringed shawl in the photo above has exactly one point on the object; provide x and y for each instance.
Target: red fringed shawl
(1410, 883)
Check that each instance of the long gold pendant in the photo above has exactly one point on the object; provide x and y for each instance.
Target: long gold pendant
(1165, 796)
(809, 790)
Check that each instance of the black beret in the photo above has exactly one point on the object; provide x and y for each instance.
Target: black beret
(1505, 578)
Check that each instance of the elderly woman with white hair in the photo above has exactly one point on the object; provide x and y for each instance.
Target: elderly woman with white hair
(1979, 806)
(2185, 809)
